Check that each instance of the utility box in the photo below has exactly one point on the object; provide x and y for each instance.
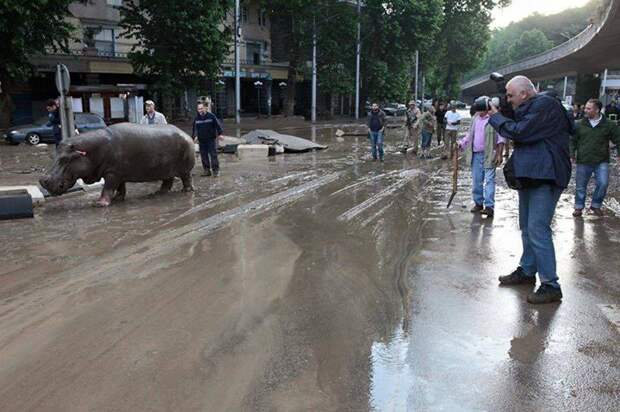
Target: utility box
(15, 204)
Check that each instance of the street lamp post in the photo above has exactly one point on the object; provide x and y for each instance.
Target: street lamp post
(258, 85)
(313, 105)
(237, 64)
(358, 51)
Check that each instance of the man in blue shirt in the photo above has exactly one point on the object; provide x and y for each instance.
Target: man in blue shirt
(541, 170)
(207, 129)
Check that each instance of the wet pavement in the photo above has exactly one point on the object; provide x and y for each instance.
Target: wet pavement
(319, 281)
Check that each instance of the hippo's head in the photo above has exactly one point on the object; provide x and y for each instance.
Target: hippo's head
(69, 165)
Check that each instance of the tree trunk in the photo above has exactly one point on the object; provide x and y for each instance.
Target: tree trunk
(6, 103)
(292, 72)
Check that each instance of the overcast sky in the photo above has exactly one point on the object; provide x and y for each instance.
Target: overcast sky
(523, 8)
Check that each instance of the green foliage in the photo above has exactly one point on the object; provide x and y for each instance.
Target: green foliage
(530, 43)
(461, 44)
(28, 28)
(393, 31)
(556, 28)
(179, 43)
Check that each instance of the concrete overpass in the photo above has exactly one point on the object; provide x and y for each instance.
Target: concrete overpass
(593, 50)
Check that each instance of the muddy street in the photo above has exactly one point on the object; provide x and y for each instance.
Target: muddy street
(319, 281)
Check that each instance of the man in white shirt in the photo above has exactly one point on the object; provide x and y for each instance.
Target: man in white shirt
(152, 116)
(453, 119)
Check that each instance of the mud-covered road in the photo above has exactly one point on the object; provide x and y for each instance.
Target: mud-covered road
(319, 281)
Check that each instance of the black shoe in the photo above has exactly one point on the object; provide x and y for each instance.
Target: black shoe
(518, 277)
(545, 294)
(488, 212)
(206, 173)
(216, 173)
(476, 209)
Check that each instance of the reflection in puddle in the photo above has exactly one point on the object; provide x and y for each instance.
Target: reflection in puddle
(392, 376)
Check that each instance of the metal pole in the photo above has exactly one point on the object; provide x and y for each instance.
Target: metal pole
(603, 86)
(358, 52)
(313, 108)
(237, 64)
(565, 85)
(423, 86)
(417, 62)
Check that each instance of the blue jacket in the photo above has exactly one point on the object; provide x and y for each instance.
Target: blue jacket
(541, 134)
(206, 127)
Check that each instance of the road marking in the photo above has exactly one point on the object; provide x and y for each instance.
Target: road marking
(612, 313)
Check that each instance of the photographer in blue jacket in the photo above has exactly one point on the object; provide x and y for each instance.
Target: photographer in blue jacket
(540, 170)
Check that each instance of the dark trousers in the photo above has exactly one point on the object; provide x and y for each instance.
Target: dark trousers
(208, 154)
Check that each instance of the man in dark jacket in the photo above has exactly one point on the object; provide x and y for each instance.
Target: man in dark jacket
(207, 128)
(540, 132)
(590, 149)
(53, 120)
(376, 126)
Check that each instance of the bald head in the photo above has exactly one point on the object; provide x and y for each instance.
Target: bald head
(519, 89)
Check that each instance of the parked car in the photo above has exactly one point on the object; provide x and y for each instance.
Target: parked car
(395, 109)
(39, 132)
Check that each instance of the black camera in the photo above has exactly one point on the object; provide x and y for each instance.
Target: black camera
(484, 103)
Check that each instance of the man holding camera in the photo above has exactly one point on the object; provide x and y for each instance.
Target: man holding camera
(376, 127)
(483, 152)
(540, 170)
(590, 150)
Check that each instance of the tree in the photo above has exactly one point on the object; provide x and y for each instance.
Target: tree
(393, 31)
(28, 28)
(292, 18)
(179, 44)
(530, 43)
(461, 43)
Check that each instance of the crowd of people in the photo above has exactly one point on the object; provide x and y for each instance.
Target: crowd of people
(548, 140)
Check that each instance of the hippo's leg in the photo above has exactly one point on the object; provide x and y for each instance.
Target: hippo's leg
(166, 185)
(120, 193)
(187, 182)
(109, 187)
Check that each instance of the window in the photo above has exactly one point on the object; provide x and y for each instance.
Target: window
(244, 15)
(253, 53)
(101, 39)
(262, 17)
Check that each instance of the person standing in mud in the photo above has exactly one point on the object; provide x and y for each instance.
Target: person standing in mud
(428, 122)
(453, 119)
(483, 152)
(53, 120)
(589, 148)
(440, 115)
(376, 128)
(208, 130)
(539, 169)
(413, 127)
(152, 116)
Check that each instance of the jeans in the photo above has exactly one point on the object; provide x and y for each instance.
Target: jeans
(426, 139)
(483, 188)
(536, 210)
(208, 154)
(584, 173)
(376, 139)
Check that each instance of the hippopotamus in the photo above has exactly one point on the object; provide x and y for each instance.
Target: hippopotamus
(122, 153)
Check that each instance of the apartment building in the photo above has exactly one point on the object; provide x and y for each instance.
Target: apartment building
(263, 80)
